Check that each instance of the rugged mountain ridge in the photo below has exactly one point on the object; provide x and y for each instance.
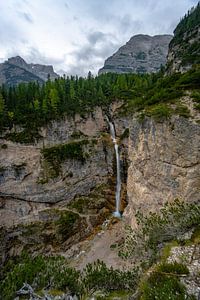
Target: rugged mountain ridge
(141, 54)
(15, 70)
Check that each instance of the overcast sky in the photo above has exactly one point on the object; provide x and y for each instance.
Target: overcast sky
(78, 35)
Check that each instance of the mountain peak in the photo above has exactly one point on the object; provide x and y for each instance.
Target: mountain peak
(141, 54)
(16, 70)
(16, 60)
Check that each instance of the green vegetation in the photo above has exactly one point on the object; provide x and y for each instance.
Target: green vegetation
(98, 277)
(54, 156)
(27, 136)
(186, 38)
(78, 135)
(159, 112)
(91, 203)
(125, 134)
(173, 220)
(196, 97)
(4, 146)
(182, 110)
(68, 224)
(167, 249)
(163, 283)
(32, 105)
(41, 270)
(173, 268)
(37, 272)
(155, 99)
(188, 23)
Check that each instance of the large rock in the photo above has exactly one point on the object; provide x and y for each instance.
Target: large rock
(164, 164)
(141, 54)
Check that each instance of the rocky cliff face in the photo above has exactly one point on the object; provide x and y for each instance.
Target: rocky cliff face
(164, 164)
(34, 199)
(37, 194)
(30, 182)
(15, 70)
(141, 54)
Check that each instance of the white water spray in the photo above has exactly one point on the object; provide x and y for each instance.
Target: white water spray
(118, 185)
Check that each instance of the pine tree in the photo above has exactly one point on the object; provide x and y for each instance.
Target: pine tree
(2, 105)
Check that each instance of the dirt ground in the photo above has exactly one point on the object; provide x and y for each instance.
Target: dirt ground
(103, 246)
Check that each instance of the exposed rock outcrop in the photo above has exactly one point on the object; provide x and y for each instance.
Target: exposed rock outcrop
(164, 164)
(29, 182)
(33, 200)
(15, 70)
(141, 54)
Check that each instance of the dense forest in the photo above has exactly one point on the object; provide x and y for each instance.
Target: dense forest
(187, 23)
(186, 38)
(33, 105)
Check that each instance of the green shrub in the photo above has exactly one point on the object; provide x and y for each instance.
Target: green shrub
(196, 96)
(159, 112)
(164, 283)
(54, 156)
(77, 135)
(182, 111)
(97, 276)
(162, 287)
(125, 134)
(4, 146)
(42, 271)
(60, 153)
(27, 136)
(174, 219)
(197, 106)
(38, 272)
(174, 268)
(67, 224)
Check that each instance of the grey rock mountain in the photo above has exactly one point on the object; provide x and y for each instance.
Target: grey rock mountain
(15, 70)
(141, 54)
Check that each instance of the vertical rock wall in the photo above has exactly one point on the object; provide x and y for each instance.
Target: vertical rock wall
(164, 164)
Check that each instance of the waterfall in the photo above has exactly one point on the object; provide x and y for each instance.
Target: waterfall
(118, 184)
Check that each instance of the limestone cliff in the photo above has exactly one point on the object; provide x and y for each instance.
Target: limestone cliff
(78, 192)
(30, 182)
(164, 164)
(141, 54)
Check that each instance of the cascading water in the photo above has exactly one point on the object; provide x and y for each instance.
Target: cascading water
(118, 184)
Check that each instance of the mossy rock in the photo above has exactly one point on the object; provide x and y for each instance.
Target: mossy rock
(68, 224)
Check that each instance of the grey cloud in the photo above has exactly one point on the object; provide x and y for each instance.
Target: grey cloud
(35, 56)
(66, 5)
(91, 56)
(127, 24)
(94, 37)
(82, 68)
(27, 17)
(99, 44)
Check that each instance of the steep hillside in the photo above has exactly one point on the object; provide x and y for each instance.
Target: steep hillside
(15, 70)
(141, 54)
(184, 48)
